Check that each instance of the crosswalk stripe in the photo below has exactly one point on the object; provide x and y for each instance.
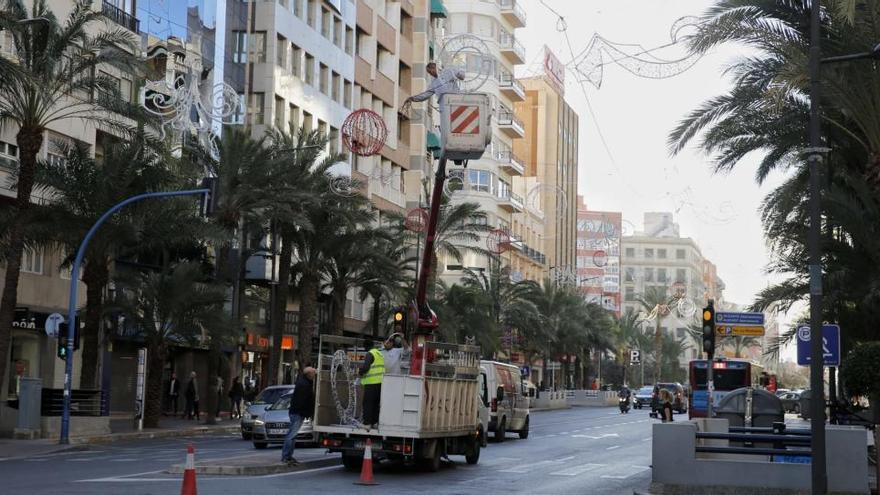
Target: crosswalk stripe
(525, 468)
(576, 470)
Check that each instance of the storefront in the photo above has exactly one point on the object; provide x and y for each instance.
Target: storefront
(28, 346)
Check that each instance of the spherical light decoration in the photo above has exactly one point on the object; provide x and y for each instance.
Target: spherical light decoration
(364, 132)
(416, 220)
(600, 258)
(498, 241)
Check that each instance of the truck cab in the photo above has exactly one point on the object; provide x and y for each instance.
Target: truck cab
(504, 391)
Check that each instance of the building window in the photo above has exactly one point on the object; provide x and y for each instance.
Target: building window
(630, 252)
(259, 42)
(310, 70)
(255, 109)
(297, 8)
(661, 275)
(307, 121)
(334, 87)
(346, 94)
(661, 254)
(649, 253)
(480, 180)
(311, 12)
(322, 128)
(649, 274)
(281, 52)
(326, 24)
(680, 276)
(279, 113)
(349, 40)
(629, 294)
(338, 33)
(32, 261)
(296, 54)
(239, 51)
(324, 83)
(293, 118)
(679, 254)
(334, 141)
(630, 275)
(680, 332)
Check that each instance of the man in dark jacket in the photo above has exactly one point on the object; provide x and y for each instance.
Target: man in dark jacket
(302, 406)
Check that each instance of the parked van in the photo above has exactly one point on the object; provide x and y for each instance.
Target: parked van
(505, 391)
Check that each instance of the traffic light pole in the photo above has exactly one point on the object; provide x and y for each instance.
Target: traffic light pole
(709, 348)
(71, 308)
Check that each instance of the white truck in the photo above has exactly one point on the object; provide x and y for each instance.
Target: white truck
(424, 416)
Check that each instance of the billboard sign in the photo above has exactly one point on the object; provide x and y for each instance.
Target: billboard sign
(554, 70)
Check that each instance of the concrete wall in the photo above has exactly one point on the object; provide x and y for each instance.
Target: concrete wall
(594, 398)
(79, 426)
(676, 466)
(550, 400)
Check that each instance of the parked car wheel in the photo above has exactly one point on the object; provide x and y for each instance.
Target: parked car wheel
(501, 430)
(260, 445)
(524, 433)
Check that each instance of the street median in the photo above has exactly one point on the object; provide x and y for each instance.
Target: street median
(157, 433)
(255, 464)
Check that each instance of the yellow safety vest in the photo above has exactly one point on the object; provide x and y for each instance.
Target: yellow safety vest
(377, 369)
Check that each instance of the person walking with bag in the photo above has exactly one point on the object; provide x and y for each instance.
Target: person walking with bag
(302, 407)
(236, 393)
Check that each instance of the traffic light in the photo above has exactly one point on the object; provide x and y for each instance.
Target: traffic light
(709, 328)
(398, 320)
(211, 199)
(62, 340)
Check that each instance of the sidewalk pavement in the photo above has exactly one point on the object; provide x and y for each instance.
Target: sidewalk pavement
(260, 463)
(122, 429)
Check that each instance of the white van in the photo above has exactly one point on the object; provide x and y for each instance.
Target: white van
(504, 390)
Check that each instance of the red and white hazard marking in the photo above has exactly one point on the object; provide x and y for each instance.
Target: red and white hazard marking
(465, 119)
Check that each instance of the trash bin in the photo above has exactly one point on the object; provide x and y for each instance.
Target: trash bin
(751, 407)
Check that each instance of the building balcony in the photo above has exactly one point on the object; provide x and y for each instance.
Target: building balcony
(510, 163)
(120, 17)
(510, 202)
(512, 49)
(510, 87)
(513, 13)
(534, 255)
(510, 125)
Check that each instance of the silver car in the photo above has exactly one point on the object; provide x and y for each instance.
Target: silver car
(275, 423)
(256, 409)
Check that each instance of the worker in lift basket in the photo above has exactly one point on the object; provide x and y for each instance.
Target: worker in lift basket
(445, 82)
(372, 372)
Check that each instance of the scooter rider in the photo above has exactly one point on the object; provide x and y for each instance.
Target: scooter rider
(624, 395)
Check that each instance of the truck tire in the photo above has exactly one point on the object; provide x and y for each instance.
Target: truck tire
(501, 430)
(352, 462)
(473, 455)
(524, 433)
(260, 445)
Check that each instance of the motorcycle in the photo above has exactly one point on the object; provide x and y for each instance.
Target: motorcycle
(623, 403)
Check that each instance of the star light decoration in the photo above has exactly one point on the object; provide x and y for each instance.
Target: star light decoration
(190, 105)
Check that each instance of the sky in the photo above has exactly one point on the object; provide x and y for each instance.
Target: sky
(632, 171)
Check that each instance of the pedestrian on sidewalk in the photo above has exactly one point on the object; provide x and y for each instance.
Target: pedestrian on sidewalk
(236, 393)
(173, 389)
(302, 407)
(666, 406)
(192, 398)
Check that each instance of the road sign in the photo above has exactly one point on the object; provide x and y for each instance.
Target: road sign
(739, 319)
(525, 372)
(52, 324)
(739, 331)
(635, 356)
(830, 345)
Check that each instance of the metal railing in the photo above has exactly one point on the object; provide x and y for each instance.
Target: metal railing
(514, 6)
(754, 441)
(508, 42)
(120, 17)
(508, 156)
(506, 80)
(506, 117)
(82, 402)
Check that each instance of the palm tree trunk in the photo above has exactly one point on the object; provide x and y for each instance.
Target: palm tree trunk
(658, 349)
(308, 317)
(338, 315)
(153, 399)
(95, 276)
(376, 311)
(29, 140)
(282, 291)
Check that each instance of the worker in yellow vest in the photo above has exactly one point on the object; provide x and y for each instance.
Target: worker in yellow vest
(372, 372)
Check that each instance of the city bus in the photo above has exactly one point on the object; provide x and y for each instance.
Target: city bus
(728, 374)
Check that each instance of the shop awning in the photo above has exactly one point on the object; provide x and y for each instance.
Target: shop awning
(438, 9)
(433, 141)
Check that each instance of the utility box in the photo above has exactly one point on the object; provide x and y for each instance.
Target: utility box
(29, 404)
(751, 407)
(465, 125)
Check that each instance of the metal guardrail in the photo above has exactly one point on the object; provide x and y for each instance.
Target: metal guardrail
(780, 438)
(506, 117)
(82, 402)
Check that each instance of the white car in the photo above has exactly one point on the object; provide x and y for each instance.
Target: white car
(273, 426)
(256, 409)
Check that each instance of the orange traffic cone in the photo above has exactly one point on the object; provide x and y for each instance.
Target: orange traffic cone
(367, 467)
(189, 473)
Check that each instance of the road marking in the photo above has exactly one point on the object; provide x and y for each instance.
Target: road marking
(646, 439)
(576, 470)
(638, 469)
(129, 478)
(613, 447)
(526, 467)
(565, 459)
(123, 460)
(563, 433)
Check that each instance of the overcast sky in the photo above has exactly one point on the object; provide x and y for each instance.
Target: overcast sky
(635, 115)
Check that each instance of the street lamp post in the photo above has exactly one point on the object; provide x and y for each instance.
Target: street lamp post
(815, 155)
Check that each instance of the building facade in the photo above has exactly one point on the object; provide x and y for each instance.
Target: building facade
(598, 256)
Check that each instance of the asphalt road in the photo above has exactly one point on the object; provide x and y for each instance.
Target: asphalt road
(574, 451)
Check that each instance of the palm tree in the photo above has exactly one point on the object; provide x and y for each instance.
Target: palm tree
(629, 335)
(174, 305)
(80, 189)
(741, 343)
(54, 65)
(459, 230)
(656, 303)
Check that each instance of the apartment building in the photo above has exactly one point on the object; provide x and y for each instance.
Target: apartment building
(598, 256)
(550, 154)
(491, 181)
(659, 257)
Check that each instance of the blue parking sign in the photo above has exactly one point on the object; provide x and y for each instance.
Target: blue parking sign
(830, 345)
